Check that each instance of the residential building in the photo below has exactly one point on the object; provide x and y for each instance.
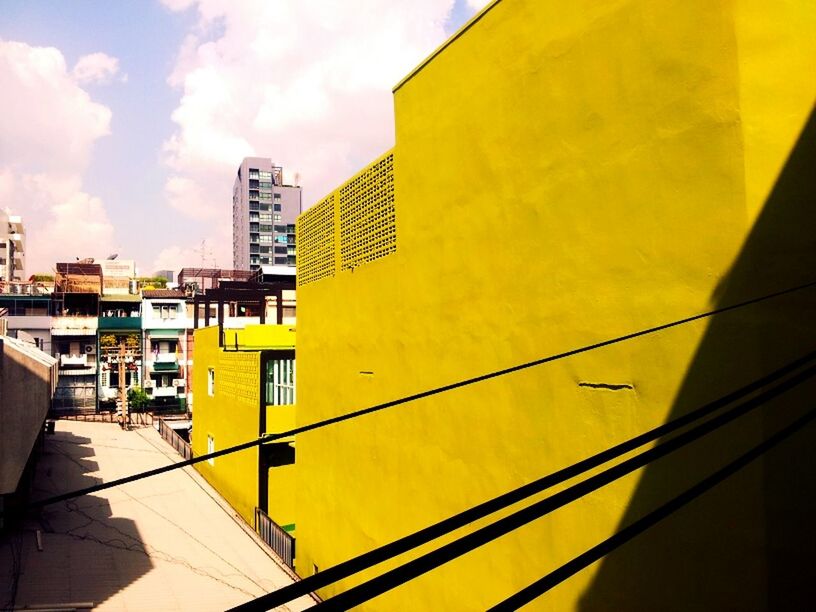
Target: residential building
(244, 387)
(649, 169)
(167, 352)
(27, 381)
(12, 247)
(120, 345)
(28, 308)
(264, 211)
(74, 334)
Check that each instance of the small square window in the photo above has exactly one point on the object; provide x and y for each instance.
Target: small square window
(210, 448)
(211, 382)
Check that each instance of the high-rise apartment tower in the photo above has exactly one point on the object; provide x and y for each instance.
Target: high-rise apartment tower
(263, 216)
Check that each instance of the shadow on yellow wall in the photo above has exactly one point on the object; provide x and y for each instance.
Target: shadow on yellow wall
(766, 510)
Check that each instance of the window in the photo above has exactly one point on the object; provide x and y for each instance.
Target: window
(281, 238)
(280, 382)
(266, 217)
(266, 228)
(165, 311)
(254, 194)
(264, 260)
(254, 238)
(265, 176)
(277, 196)
(253, 216)
(266, 238)
(277, 207)
(291, 259)
(211, 382)
(290, 229)
(281, 250)
(253, 227)
(266, 249)
(253, 173)
(280, 228)
(253, 184)
(210, 448)
(281, 261)
(277, 217)
(254, 248)
(266, 185)
(265, 207)
(266, 196)
(253, 206)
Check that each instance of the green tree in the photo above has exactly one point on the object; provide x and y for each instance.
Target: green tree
(137, 398)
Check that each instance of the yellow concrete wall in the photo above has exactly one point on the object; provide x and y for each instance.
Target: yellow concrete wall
(564, 174)
(232, 415)
(282, 479)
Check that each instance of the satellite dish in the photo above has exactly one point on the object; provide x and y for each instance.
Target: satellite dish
(112, 257)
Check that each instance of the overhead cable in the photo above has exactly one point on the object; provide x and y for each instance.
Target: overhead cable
(450, 524)
(410, 398)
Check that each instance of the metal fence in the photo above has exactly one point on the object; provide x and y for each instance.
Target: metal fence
(170, 436)
(273, 534)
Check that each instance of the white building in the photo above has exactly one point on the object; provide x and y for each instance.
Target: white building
(167, 340)
(12, 247)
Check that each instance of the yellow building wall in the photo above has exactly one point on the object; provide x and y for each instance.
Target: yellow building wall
(282, 480)
(232, 415)
(565, 174)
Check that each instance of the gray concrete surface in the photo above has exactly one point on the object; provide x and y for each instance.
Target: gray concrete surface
(163, 543)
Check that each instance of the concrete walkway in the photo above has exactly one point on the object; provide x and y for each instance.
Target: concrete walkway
(162, 543)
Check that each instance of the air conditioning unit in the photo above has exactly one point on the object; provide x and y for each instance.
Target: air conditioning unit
(89, 348)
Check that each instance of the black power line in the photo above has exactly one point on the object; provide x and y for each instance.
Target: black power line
(411, 398)
(430, 533)
(416, 567)
(569, 569)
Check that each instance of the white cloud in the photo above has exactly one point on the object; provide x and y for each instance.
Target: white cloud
(305, 83)
(47, 130)
(97, 68)
(212, 251)
(478, 5)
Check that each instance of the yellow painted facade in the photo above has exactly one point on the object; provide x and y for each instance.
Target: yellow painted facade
(231, 415)
(565, 173)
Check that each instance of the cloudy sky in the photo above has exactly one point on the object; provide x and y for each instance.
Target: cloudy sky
(123, 123)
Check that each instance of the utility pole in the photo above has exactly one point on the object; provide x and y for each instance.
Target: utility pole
(123, 386)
